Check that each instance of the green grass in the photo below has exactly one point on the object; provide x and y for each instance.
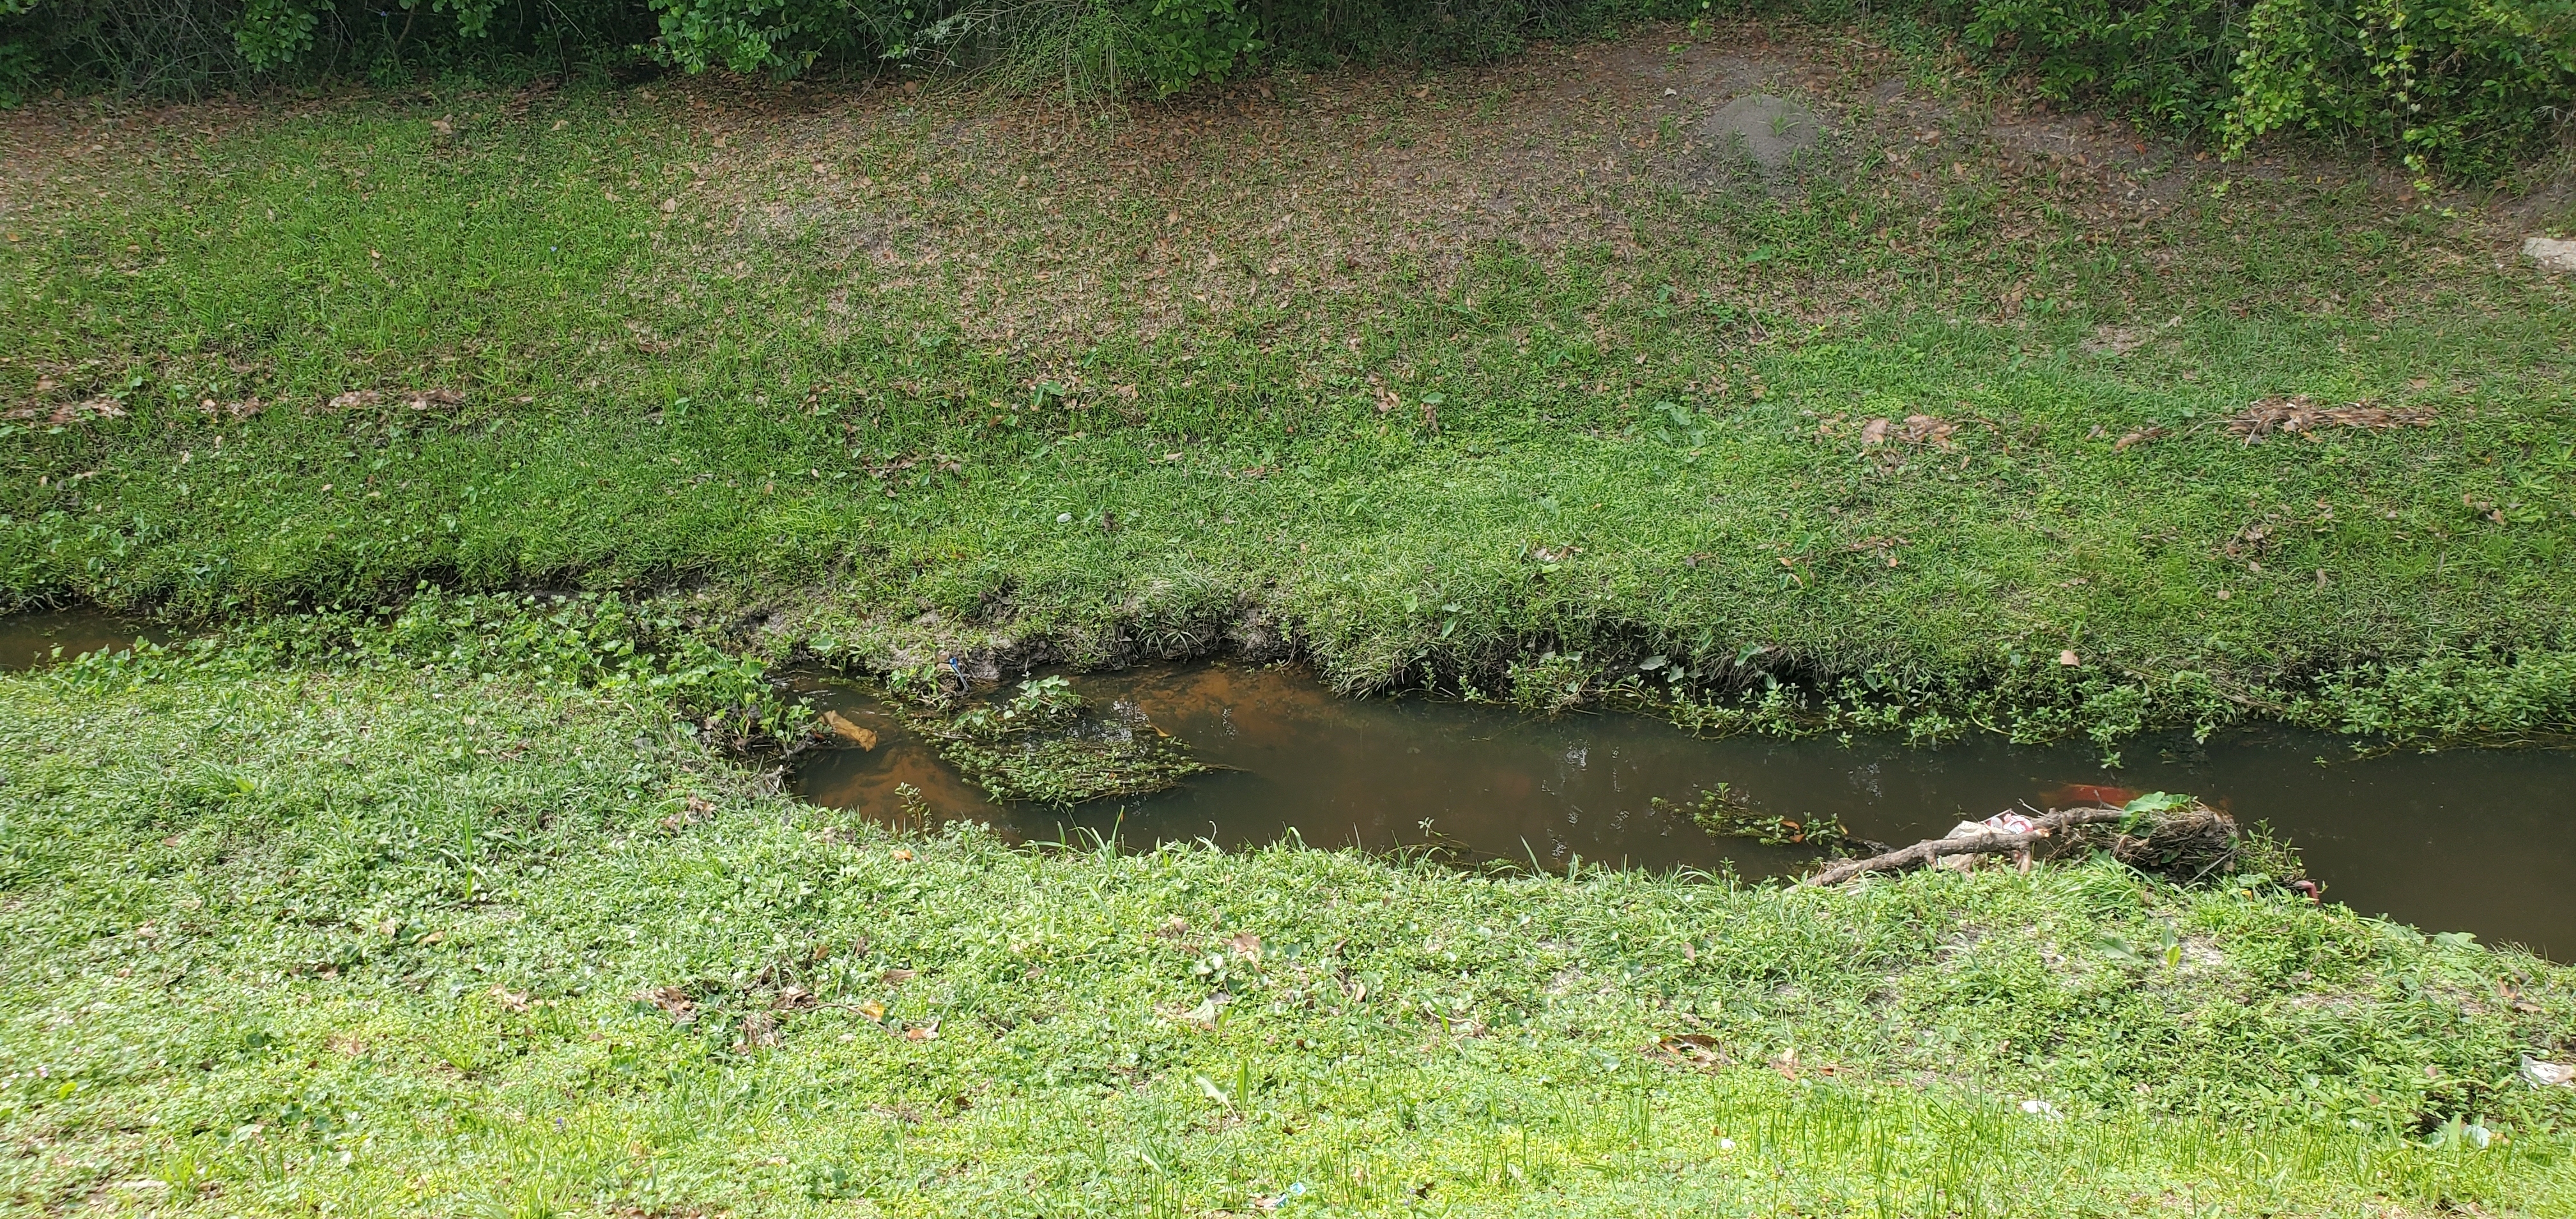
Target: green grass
(408, 932)
(1000, 378)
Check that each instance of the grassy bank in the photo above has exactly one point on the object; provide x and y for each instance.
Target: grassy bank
(414, 932)
(1427, 375)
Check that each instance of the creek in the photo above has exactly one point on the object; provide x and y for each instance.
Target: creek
(2477, 840)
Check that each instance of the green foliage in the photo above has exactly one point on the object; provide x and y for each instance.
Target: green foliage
(1180, 43)
(2467, 87)
(192, 46)
(1038, 745)
(1723, 811)
(592, 641)
(2493, 695)
(2459, 87)
(2166, 58)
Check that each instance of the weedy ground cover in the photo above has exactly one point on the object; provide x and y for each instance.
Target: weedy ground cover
(1428, 375)
(417, 929)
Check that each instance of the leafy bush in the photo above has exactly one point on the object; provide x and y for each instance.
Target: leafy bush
(2460, 86)
(2468, 86)
(182, 47)
(2464, 87)
(2167, 58)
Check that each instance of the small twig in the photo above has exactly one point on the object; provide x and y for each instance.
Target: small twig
(1993, 842)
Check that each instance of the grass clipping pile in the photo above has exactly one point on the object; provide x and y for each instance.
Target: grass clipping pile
(1044, 745)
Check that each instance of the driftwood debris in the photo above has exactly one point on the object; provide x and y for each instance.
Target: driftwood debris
(2187, 840)
(1993, 842)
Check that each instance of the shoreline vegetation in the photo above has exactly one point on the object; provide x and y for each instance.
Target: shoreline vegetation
(498, 445)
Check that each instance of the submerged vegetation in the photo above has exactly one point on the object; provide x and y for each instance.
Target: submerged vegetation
(1722, 811)
(406, 930)
(1039, 745)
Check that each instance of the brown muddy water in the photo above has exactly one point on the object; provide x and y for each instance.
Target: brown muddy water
(2472, 840)
(30, 640)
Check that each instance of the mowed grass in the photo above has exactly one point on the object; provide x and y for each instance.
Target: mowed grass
(1428, 375)
(409, 934)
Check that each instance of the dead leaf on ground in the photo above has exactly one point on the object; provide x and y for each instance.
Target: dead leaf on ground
(759, 1031)
(2141, 436)
(1204, 1016)
(415, 399)
(1885, 546)
(794, 999)
(1246, 945)
(2301, 413)
(2117, 340)
(864, 738)
(243, 409)
(674, 1003)
(71, 412)
(927, 1030)
(873, 1010)
(1917, 429)
(1691, 1050)
(510, 1001)
(897, 977)
(2253, 540)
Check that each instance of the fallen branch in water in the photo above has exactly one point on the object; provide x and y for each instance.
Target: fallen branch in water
(1993, 842)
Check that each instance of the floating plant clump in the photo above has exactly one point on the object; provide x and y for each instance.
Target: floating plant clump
(1726, 813)
(1046, 745)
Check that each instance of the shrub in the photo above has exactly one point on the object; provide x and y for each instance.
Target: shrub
(2466, 87)
(2463, 87)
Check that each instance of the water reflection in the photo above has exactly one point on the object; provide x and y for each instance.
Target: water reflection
(30, 640)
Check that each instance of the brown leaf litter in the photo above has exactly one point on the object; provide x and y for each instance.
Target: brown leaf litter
(71, 412)
(2301, 413)
(1698, 1050)
(674, 1003)
(1915, 430)
(2138, 437)
(415, 399)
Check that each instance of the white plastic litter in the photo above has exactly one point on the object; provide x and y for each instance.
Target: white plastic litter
(2548, 1074)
